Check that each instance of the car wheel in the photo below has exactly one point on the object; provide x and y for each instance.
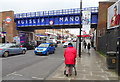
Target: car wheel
(23, 52)
(53, 52)
(6, 54)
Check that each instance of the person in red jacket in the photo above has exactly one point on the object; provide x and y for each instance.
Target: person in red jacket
(69, 56)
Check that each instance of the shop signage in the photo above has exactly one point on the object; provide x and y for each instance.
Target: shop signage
(8, 19)
(65, 20)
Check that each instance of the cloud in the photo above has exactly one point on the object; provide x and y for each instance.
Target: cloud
(20, 6)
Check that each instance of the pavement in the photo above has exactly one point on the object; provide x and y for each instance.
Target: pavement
(89, 67)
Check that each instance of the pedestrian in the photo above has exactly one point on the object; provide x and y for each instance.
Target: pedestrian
(14, 42)
(88, 47)
(92, 44)
(7, 41)
(85, 44)
(69, 56)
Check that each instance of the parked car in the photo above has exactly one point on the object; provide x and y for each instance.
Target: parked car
(44, 48)
(39, 42)
(74, 40)
(7, 49)
(27, 45)
(63, 41)
(65, 44)
(53, 41)
(58, 41)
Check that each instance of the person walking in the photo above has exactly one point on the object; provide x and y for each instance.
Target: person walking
(88, 47)
(85, 44)
(69, 56)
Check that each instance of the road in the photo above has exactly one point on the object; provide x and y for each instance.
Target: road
(30, 66)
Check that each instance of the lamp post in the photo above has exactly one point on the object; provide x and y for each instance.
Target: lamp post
(80, 28)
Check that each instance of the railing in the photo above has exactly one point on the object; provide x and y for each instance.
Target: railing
(55, 12)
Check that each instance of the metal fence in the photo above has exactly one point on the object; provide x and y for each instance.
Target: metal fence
(108, 42)
(55, 12)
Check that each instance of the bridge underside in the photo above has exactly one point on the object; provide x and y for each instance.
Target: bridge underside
(32, 28)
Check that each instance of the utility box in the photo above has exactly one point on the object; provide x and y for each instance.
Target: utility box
(118, 56)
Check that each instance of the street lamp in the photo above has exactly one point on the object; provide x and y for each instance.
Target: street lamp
(80, 28)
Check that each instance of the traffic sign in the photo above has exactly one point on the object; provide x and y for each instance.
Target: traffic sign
(51, 22)
(2, 35)
(8, 20)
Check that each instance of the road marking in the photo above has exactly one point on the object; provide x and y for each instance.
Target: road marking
(37, 78)
(18, 74)
(14, 73)
(10, 74)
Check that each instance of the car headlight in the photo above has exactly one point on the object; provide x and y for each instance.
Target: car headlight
(44, 49)
(35, 48)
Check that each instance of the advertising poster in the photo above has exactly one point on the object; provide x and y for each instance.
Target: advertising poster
(16, 39)
(114, 15)
(22, 37)
(86, 17)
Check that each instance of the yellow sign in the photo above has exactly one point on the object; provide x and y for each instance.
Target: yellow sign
(113, 60)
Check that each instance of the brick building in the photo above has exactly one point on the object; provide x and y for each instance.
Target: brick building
(106, 39)
(8, 29)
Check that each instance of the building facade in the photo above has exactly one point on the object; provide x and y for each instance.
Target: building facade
(106, 38)
(10, 33)
(8, 29)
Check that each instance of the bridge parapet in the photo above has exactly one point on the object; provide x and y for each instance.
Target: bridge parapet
(55, 12)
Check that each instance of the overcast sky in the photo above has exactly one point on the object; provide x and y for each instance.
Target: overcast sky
(23, 6)
(20, 6)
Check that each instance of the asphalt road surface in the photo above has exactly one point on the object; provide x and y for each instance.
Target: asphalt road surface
(30, 66)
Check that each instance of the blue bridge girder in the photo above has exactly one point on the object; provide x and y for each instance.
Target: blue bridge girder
(65, 18)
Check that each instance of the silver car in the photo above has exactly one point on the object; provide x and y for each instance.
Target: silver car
(65, 44)
(7, 49)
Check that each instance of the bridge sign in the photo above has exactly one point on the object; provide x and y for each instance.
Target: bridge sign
(69, 18)
(51, 22)
(8, 20)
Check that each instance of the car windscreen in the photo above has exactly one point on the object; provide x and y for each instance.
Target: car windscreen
(66, 43)
(5, 45)
(2, 45)
(43, 45)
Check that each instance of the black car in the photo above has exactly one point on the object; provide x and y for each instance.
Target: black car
(28, 46)
(54, 42)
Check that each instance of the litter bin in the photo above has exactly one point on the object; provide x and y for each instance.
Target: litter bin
(111, 60)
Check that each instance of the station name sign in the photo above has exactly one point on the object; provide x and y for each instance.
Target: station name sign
(40, 21)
